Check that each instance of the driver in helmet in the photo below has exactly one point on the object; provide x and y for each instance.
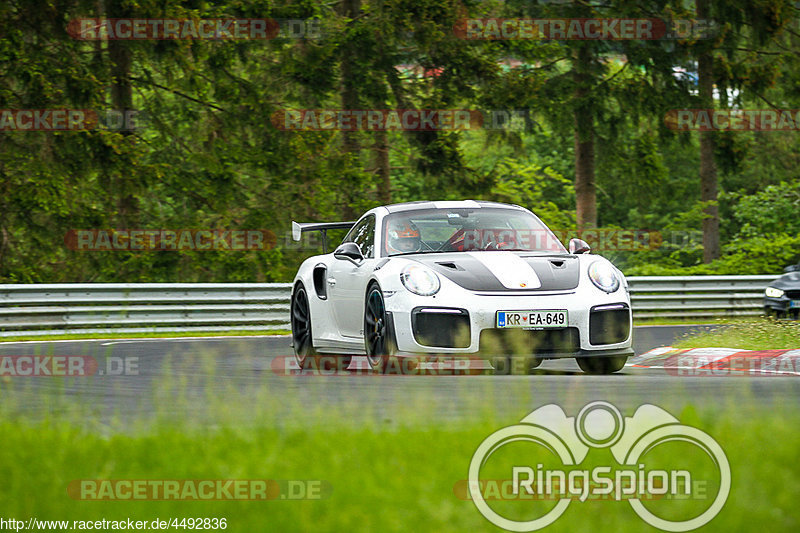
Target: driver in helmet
(403, 237)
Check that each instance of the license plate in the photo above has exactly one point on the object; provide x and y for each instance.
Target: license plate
(794, 303)
(551, 318)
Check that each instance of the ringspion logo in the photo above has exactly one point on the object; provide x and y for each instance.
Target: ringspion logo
(657, 464)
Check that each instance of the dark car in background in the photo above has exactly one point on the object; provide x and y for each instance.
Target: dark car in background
(782, 296)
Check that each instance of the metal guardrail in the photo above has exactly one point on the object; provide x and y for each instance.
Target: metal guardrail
(697, 296)
(142, 307)
(98, 308)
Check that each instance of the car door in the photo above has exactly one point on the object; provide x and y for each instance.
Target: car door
(347, 280)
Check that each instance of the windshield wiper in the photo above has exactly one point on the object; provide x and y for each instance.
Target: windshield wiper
(418, 252)
(521, 250)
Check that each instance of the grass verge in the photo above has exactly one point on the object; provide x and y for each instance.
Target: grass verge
(762, 334)
(380, 479)
(683, 321)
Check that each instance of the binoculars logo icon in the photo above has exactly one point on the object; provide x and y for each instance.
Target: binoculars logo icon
(600, 425)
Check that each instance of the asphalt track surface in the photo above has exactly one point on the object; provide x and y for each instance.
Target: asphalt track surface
(181, 378)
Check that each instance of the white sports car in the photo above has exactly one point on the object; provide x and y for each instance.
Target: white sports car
(454, 279)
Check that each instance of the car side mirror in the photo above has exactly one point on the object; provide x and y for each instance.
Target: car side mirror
(792, 268)
(578, 246)
(349, 251)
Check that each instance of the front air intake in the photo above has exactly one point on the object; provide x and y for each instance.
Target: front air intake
(441, 327)
(609, 324)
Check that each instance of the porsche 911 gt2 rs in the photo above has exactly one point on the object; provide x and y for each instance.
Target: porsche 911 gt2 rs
(458, 278)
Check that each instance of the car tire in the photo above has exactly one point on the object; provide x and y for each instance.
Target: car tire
(601, 365)
(302, 339)
(305, 354)
(771, 312)
(378, 344)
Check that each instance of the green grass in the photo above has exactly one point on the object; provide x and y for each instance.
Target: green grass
(381, 479)
(756, 334)
(148, 335)
(390, 467)
(682, 321)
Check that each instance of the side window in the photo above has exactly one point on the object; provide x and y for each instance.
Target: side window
(363, 234)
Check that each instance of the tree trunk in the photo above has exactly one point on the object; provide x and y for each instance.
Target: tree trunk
(585, 190)
(382, 165)
(708, 168)
(349, 94)
(119, 54)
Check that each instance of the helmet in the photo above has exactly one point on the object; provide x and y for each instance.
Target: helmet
(403, 237)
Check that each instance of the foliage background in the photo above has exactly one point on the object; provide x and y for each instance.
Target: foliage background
(209, 157)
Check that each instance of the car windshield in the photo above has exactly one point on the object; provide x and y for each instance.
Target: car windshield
(466, 230)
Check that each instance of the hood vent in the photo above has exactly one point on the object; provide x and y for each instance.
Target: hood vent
(557, 272)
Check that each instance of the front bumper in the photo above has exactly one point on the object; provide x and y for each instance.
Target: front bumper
(474, 315)
(782, 305)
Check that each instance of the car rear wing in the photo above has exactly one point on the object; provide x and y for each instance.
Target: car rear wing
(298, 228)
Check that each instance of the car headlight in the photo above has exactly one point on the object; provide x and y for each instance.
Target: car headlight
(603, 276)
(420, 280)
(772, 292)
